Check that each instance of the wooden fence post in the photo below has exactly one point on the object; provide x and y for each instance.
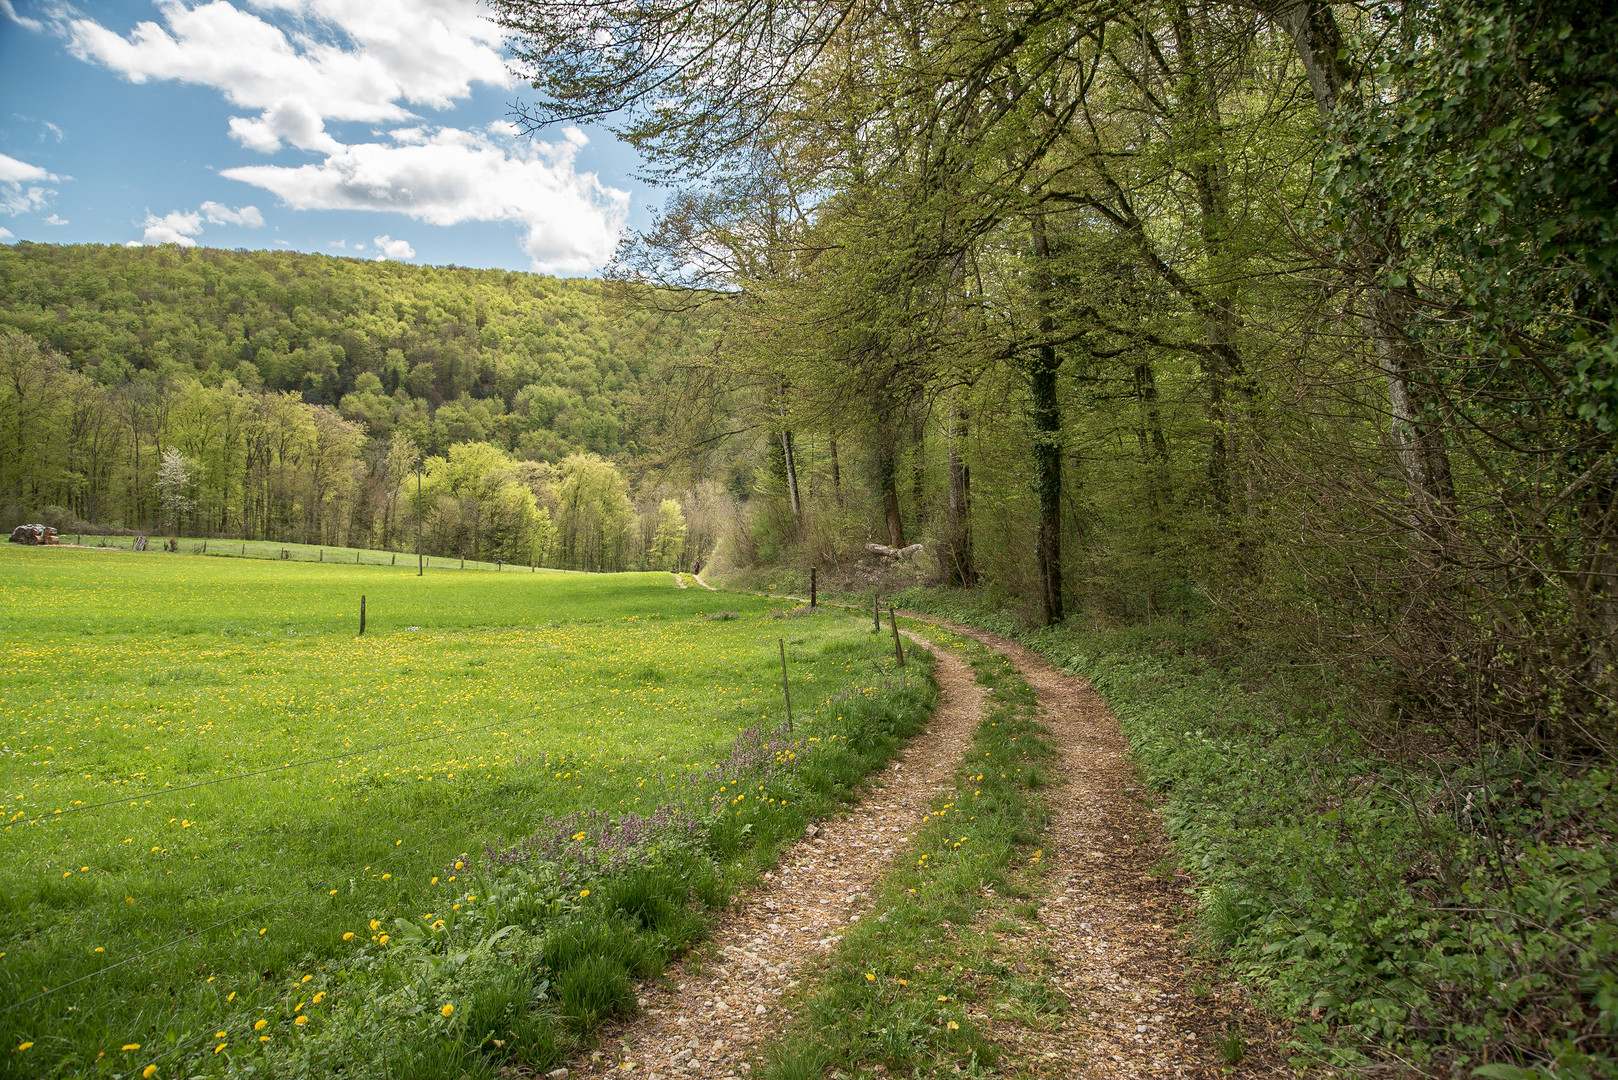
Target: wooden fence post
(898, 647)
(876, 613)
(811, 586)
(786, 691)
(362, 614)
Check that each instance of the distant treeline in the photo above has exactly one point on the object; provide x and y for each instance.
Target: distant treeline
(291, 397)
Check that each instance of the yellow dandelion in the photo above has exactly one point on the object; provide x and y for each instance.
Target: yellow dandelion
(446, 1010)
(318, 998)
(349, 936)
(376, 924)
(148, 1072)
(869, 977)
(263, 1038)
(23, 1046)
(583, 893)
(131, 1046)
(220, 1047)
(300, 1021)
(231, 996)
(259, 1025)
(953, 1026)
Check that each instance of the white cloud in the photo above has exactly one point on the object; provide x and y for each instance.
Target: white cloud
(54, 130)
(298, 68)
(15, 198)
(346, 59)
(56, 219)
(220, 214)
(11, 13)
(571, 219)
(392, 249)
(5, 233)
(292, 120)
(184, 226)
(13, 171)
(175, 227)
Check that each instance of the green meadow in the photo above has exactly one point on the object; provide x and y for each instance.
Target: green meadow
(222, 801)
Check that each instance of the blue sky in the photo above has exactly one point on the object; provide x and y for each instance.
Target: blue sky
(369, 128)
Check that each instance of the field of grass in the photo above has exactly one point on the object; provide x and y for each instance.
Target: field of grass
(233, 823)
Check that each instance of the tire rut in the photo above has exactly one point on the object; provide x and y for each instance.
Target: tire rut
(705, 1020)
(1143, 1004)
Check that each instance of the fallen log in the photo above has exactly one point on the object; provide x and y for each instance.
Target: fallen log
(892, 552)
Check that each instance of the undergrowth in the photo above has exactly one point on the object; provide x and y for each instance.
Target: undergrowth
(902, 986)
(1432, 914)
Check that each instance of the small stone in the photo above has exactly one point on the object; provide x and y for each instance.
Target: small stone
(759, 1011)
(557, 1074)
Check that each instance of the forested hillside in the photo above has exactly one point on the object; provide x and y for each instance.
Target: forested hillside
(290, 396)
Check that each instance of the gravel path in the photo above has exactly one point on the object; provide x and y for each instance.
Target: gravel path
(1144, 1005)
(722, 1010)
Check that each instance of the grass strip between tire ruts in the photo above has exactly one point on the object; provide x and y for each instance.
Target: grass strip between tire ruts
(903, 989)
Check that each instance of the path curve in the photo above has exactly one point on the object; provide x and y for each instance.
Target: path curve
(1144, 1004)
(723, 1011)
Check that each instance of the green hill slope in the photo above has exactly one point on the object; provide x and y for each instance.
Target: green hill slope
(540, 366)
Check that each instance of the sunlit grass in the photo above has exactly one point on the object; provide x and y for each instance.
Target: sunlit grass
(474, 706)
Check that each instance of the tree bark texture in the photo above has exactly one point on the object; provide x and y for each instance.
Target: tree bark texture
(956, 553)
(1047, 422)
(887, 480)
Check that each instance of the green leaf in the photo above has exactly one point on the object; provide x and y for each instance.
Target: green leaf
(1502, 1071)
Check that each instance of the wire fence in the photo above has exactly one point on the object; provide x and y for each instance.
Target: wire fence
(274, 550)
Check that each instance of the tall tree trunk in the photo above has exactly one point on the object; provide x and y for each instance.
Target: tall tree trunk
(1201, 141)
(792, 481)
(836, 474)
(1154, 448)
(959, 569)
(887, 480)
(918, 475)
(1420, 452)
(1047, 421)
